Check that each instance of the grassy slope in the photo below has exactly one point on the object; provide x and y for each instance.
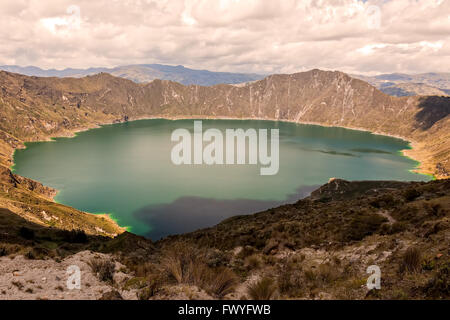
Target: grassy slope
(321, 246)
(316, 248)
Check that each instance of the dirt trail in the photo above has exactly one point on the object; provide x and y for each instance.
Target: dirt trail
(386, 214)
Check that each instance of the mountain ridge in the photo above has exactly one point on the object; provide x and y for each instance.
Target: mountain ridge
(402, 84)
(395, 84)
(141, 73)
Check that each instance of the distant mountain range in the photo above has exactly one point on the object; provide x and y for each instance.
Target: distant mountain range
(145, 73)
(400, 84)
(394, 84)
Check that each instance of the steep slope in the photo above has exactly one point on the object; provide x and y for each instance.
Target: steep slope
(317, 248)
(321, 246)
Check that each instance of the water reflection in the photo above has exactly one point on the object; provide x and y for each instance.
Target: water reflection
(188, 214)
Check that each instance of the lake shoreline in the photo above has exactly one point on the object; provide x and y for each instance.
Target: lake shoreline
(409, 153)
(110, 216)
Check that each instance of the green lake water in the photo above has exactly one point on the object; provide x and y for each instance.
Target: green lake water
(126, 170)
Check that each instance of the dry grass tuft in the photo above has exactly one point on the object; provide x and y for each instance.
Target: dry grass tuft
(412, 260)
(103, 268)
(253, 262)
(222, 282)
(186, 264)
(264, 289)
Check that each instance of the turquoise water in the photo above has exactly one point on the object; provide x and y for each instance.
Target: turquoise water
(126, 170)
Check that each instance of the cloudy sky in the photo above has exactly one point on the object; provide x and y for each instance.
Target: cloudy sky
(265, 36)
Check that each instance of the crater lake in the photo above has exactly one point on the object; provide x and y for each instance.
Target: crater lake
(125, 170)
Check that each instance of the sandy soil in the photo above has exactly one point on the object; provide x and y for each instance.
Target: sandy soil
(25, 279)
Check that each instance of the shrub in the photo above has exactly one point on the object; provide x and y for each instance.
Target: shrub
(310, 275)
(385, 200)
(135, 283)
(111, 295)
(6, 249)
(30, 254)
(154, 283)
(26, 233)
(439, 285)
(412, 260)
(174, 267)
(103, 268)
(187, 264)
(264, 289)
(246, 251)
(327, 273)
(143, 269)
(180, 261)
(253, 262)
(38, 253)
(398, 227)
(363, 225)
(146, 293)
(222, 282)
(216, 258)
(74, 236)
(290, 281)
(411, 194)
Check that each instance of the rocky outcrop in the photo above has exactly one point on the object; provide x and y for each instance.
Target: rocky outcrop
(339, 189)
(440, 169)
(16, 181)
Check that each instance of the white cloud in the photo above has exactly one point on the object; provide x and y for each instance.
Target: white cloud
(229, 35)
(66, 23)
